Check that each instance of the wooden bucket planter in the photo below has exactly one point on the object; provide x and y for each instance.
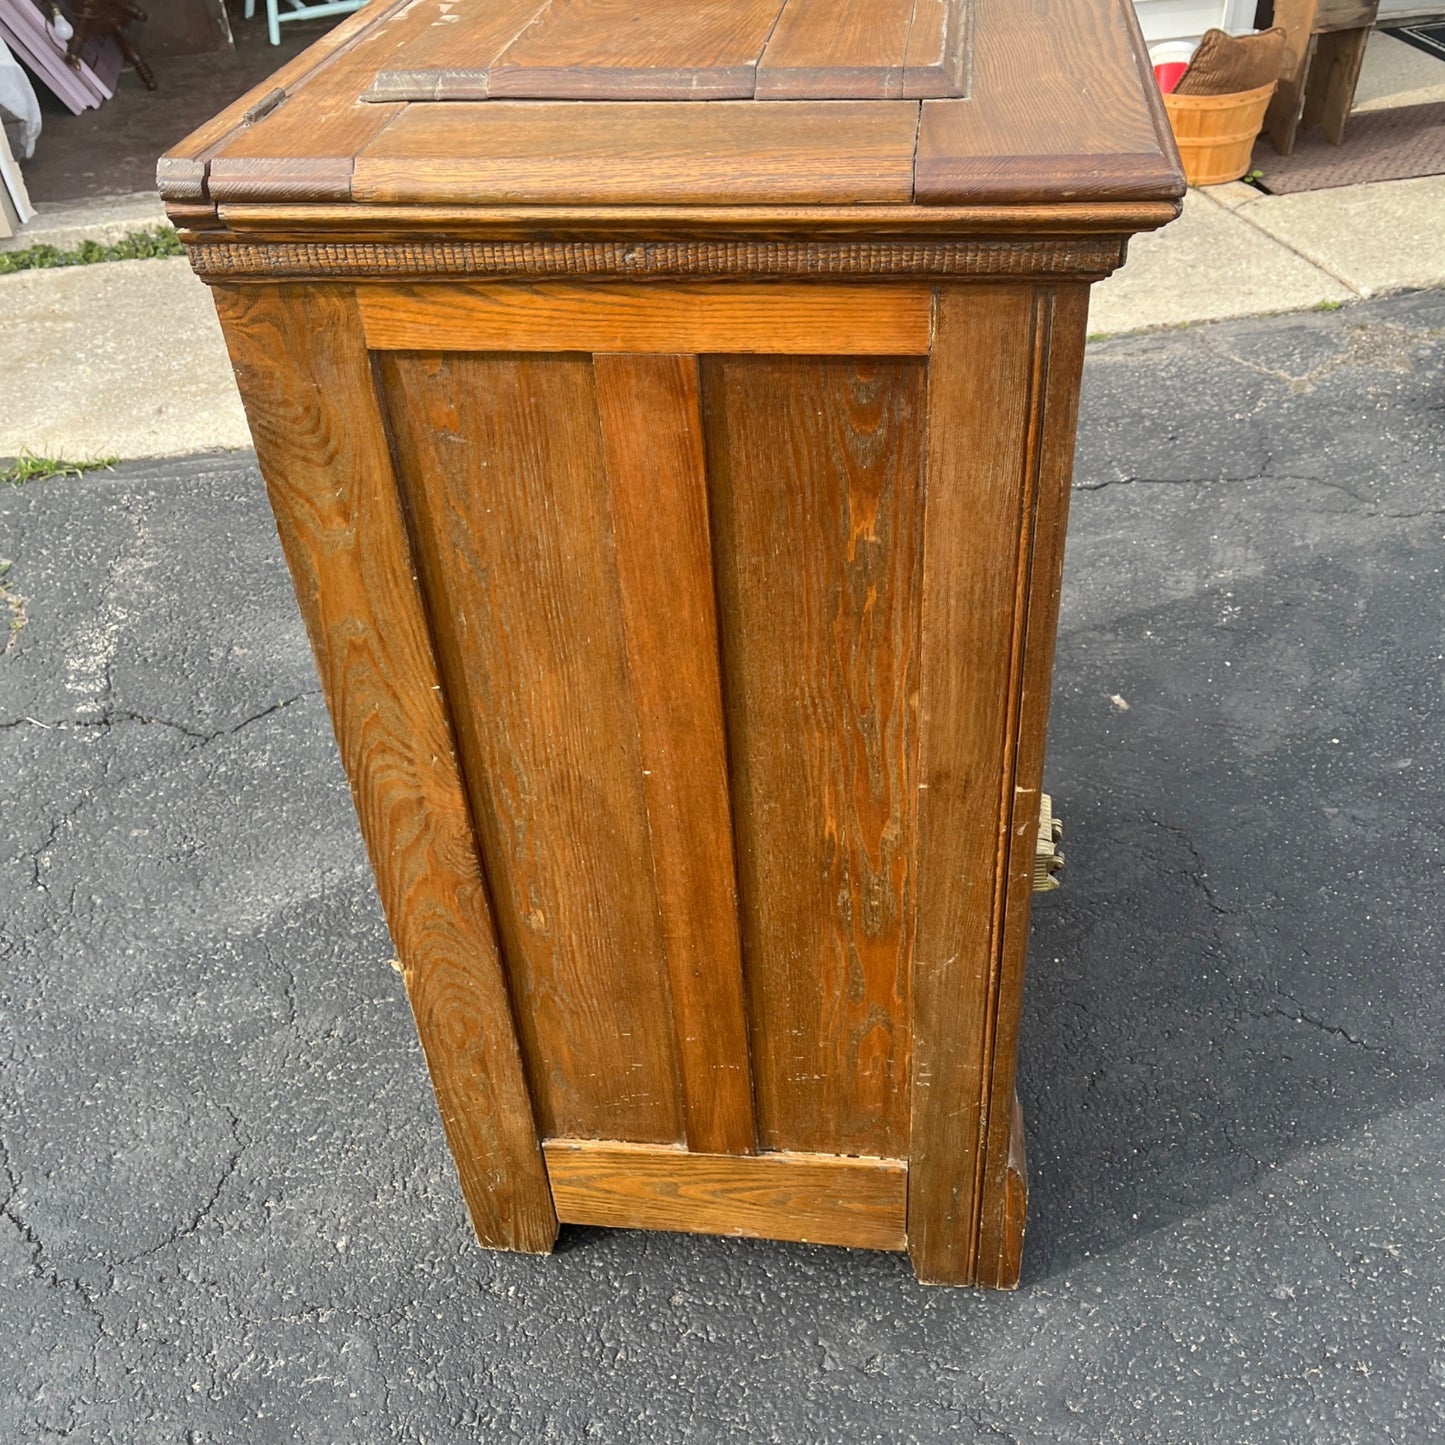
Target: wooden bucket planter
(1216, 133)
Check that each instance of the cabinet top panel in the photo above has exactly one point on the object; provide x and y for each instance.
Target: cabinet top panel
(684, 50)
(699, 102)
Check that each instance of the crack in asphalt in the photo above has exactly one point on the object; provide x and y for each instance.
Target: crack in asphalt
(1127, 481)
(105, 723)
(1198, 877)
(49, 841)
(1374, 345)
(1299, 1016)
(114, 717)
(199, 1216)
(1367, 508)
(52, 1279)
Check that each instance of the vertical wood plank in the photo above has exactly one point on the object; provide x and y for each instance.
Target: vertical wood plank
(500, 459)
(652, 443)
(982, 391)
(1333, 75)
(301, 362)
(814, 467)
(1282, 119)
(1058, 371)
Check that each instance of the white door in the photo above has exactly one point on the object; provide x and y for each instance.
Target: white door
(1187, 20)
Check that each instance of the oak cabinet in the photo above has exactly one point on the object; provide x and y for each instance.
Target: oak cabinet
(668, 417)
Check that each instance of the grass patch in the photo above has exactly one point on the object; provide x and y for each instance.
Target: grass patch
(1328, 305)
(28, 467)
(138, 246)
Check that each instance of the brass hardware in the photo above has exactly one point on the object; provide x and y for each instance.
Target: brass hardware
(1048, 860)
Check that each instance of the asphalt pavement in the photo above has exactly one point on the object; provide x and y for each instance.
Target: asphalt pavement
(228, 1213)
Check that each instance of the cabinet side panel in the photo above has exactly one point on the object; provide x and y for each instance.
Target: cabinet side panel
(500, 458)
(814, 469)
(301, 362)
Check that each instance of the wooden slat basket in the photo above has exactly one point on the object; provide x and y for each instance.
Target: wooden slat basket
(1216, 133)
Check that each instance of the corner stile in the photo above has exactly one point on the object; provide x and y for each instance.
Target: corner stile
(302, 366)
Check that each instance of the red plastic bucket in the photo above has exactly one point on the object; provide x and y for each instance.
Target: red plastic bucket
(1169, 74)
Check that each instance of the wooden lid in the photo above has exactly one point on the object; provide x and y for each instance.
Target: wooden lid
(699, 103)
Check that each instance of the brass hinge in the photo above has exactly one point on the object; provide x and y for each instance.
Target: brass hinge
(1048, 860)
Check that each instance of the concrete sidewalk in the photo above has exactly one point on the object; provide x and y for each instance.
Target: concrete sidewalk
(121, 359)
(1238, 252)
(226, 1209)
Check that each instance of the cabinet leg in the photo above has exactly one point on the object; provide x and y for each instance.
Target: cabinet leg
(1006, 1209)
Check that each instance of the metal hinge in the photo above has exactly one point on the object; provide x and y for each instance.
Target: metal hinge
(264, 106)
(1048, 860)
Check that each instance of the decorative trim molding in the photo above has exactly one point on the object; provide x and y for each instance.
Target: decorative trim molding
(1078, 257)
(301, 178)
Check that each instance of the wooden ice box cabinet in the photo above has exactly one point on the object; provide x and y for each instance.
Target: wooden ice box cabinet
(668, 413)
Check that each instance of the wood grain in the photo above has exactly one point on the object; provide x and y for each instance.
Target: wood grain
(652, 443)
(435, 45)
(1006, 1211)
(1037, 223)
(982, 396)
(1282, 119)
(815, 473)
(601, 317)
(936, 61)
(500, 459)
(301, 363)
(304, 147)
(1333, 75)
(1058, 366)
(618, 49)
(1059, 108)
(811, 1198)
(686, 50)
(288, 164)
(680, 546)
(832, 49)
(607, 153)
(1333, 15)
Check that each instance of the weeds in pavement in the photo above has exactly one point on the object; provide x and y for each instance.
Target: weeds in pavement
(138, 246)
(28, 467)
